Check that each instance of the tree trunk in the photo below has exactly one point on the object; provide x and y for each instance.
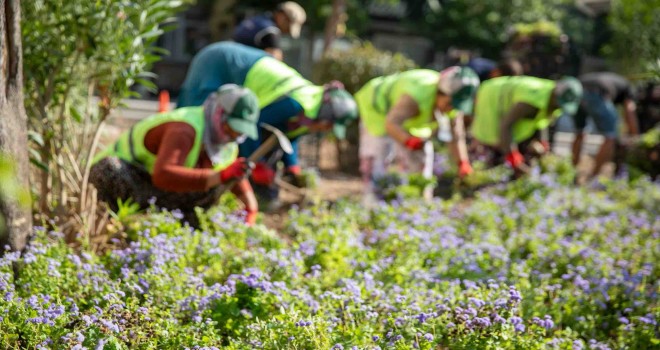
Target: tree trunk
(13, 123)
(337, 18)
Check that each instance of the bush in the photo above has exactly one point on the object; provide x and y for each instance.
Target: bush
(643, 156)
(355, 67)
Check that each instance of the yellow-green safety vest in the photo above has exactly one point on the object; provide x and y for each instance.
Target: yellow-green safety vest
(497, 96)
(130, 145)
(271, 79)
(380, 94)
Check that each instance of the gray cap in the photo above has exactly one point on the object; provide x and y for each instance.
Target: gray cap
(241, 109)
(461, 84)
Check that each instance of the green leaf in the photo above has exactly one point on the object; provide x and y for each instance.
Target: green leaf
(76, 116)
(36, 138)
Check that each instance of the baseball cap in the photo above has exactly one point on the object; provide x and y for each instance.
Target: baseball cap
(241, 109)
(461, 84)
(569, 93)
(339, 107)
(296, 15)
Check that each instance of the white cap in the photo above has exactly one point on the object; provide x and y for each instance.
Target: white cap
(296, 15)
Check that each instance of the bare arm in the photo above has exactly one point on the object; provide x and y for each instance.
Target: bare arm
(630, 115)
(243, 191)
(517, 112)
(403, 110)
(457, 146)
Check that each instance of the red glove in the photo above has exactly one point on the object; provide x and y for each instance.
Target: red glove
(414, 143)
(515, 159)
(263, 174)
(464, 168)
(251, 217)
(294, 170)
(235, 171)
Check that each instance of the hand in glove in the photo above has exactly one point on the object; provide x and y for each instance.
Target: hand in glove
(263, 174)
(464, 168)
(414, 143)
(251, 217)
(238, 169)
(515, 159)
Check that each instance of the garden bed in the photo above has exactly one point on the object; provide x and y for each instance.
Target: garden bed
(533, 264)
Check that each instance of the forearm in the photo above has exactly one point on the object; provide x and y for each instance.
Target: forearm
(506, 140)
(403, 110)
(243, 191)
(630, 115)
(518, 112)
(458, 145)
(397, 132)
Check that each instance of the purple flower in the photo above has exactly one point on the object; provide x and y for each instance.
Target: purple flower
(428, 337)
(338, 347)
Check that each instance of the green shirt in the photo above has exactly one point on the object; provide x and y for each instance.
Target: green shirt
(497, 96)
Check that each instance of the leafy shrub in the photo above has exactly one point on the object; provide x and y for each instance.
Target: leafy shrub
(356, 66)
(643, 156)
(81, 59)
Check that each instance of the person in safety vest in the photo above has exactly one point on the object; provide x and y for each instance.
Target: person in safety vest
(184, 158)
(404, 109)
(287, 101)
(264, 31)
(510, 110)
(602, 90)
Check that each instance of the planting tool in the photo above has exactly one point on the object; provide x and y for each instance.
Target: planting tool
(277, 137)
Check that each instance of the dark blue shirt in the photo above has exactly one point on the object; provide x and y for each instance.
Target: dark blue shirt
(276, 114)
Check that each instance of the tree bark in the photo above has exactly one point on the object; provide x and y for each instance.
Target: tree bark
(13, 123)
(337, 18)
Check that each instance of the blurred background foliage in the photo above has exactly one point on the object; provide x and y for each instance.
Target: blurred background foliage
(81, 58)
(358, 65)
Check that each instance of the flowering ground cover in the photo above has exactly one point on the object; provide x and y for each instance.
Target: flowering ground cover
(533, 264)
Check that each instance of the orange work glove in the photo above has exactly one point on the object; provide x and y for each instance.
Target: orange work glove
(235, 171)
(294, 170)
(464, 168)
(251, 217)
(263, 174)
(414, 143)
(515, 159)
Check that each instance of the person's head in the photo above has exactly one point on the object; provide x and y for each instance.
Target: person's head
(456, 89)
(231, 113)
(507, 67)
(566, 95)
(289, 18)
(338, 109)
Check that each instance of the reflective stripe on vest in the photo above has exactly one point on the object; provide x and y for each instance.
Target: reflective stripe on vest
(271, 80)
